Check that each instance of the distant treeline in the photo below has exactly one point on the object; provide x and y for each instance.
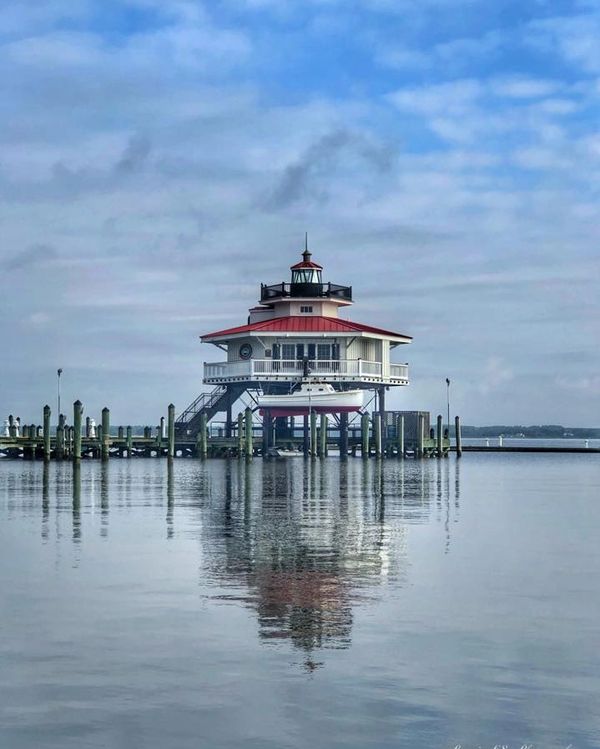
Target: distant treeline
(547, 431)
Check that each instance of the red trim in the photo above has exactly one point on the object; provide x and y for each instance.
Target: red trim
(304, 324)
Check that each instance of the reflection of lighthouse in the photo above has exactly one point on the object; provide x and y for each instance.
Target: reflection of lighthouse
(303, 543)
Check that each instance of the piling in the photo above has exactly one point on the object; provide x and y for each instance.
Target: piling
(203, 435)
(377, 430)
(129, 438)
(77, 416)
(313, 434)
(120, 433)
(162, 428)
(60, 438)
(420, 437)
(171, 431)
(440, 448)
(266, 430)
(105, 433)
(323, 437)
(343, 435)
(364, 434)
(240, 434)
(88, 428)
(457, 436)
(400, 435)
(47, 414)
(12, 429)
(248, 430)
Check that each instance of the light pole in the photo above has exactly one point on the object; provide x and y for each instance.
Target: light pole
(448, 401)
(58, 374)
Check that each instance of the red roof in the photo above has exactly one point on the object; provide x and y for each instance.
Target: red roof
(306, 264)
(308, 324)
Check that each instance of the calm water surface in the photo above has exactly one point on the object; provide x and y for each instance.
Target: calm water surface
(295, 604)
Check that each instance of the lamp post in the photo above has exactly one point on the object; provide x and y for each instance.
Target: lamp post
(58, 374)
(448, 401)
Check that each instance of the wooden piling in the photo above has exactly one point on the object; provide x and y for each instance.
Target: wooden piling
(400, 435)
(171, 431)
(120, 433)
(323, 437)
(377, 430)
(344, 435)
(305, 436)
(248, 434)
(439, 436)
(364, 435)
(47, 414)
(203, 435)
(313, 434)
(420, 437)
(60, 438)
(162, 428)
(88, 427)
(105, 433)
(240, 434)
(129, 438)
(77, 417)
(458, 436)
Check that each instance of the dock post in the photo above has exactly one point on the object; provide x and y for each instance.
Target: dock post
(344, 435)
(400, 436)
(266, 425)
(12, 429)
(120, 433)
(240, 434)
(313, 434)
(47, 414)
(60, 438)
(364, 434)
(457, 436)
(171, 431)
(162, 428)
(105, 433)
(88, 427)
(420, 437)
(323, 437)
(377, 430)
(248, 435)
(439, 432)
(77, 414)
(129, 439)
(203, 435)
(305, 436)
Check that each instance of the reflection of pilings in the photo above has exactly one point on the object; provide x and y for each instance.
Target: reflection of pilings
(76, 502)
(170, 498)
(45, 500)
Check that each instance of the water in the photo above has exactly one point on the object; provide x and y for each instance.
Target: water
(294, 604)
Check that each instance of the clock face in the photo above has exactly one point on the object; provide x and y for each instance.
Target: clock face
(245, 351)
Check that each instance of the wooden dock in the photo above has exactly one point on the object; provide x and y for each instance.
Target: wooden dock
(319, 436)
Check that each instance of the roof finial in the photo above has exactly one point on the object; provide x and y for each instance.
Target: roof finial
(306, 254)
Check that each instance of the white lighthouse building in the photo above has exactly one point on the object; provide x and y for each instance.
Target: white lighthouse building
(295, 330)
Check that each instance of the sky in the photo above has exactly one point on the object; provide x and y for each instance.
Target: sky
(159, 159)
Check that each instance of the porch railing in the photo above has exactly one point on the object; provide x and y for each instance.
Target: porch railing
(328, 368)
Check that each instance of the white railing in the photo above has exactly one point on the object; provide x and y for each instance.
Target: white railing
(398, 371)
(292, 368)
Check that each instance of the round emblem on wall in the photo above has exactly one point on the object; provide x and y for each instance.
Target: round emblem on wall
(245, 351)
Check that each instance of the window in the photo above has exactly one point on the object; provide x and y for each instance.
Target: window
(306, 309)
(288, 351)
(323, 351)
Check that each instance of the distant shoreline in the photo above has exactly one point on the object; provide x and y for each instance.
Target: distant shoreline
(530, 432)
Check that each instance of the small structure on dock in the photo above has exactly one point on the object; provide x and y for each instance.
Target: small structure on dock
(295, 330)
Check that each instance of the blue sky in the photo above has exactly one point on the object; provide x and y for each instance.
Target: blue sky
(158, 160)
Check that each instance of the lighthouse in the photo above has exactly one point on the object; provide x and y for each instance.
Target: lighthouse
(294, 332)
